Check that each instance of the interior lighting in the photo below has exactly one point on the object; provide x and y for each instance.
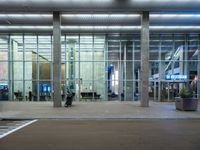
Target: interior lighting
(174, 27)
(58, 1)
(25, 15)
(26, 27)
(100, 15)
(174, 15)
(165, 1)
(100, 27)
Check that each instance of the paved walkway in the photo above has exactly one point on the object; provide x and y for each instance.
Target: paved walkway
(93, 110)
(136, 134)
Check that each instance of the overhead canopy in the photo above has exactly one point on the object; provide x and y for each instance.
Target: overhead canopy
(98, 5)
(99, 15)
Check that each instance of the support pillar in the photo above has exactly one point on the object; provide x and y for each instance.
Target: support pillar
(57, 99)
(144, 59)
(198, 70)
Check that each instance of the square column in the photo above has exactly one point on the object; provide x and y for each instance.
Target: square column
(57, 99)
(198, 70)
(144, 78)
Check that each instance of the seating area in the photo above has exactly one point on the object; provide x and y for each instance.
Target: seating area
(90, 95)
(18, 96)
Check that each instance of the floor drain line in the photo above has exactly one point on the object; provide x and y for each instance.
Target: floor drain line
(18, 128)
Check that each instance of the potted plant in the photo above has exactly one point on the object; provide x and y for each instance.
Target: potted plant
(186, 101)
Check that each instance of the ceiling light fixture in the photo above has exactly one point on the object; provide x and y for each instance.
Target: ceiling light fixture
(25, 15)
(99, 27)
(100, 15)
(174, 15)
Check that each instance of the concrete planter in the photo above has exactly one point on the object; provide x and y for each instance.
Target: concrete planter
(186, 103)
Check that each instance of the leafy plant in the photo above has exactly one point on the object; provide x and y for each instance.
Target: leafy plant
(185, 93)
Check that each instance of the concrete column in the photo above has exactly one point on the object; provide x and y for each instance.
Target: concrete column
(198, 70)
(57, 99)
(10, 70)
(144, 59)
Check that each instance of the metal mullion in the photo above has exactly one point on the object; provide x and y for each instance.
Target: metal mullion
(106, 66)
(133, 67)
(23, 77)
(120, 70)
(93, 67)
(125, 73)
(160, 71)
(38, 69)
(79, 68)
(65, 62)
(185, 62)
(174, 50)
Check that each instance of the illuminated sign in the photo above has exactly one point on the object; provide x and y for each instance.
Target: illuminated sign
(176, 77)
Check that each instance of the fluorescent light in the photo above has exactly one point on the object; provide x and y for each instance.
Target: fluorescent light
(25, 15)
(100, 27)
(161, 1)
(26, 27)
(100, 15)
(174, 27)
(174, 15)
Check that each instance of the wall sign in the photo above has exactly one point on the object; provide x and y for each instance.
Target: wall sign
(176, 77)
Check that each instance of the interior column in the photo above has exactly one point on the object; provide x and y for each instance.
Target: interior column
(57, 99)
(144, 78)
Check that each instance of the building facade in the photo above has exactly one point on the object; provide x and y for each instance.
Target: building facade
(99, 56)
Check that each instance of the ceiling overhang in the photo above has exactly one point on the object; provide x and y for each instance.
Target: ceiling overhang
(100, 15)
(98, 5)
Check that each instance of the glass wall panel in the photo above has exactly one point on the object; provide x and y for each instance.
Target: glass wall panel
(18, 90)
(17, 47)
(30, 48)
(30, 70)
(44, 48)
(4, 39)
(86, 71)
(3, 71)
(18, 70)
(4, 88)
(87, 90)
(35, 90)
(154, 47)
(45, 90)
(177, 66)
(45, 71)
(99, 90)
(99, 70)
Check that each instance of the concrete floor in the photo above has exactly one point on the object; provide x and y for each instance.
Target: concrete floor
(93, 110)
(147, 134)
(102, 126)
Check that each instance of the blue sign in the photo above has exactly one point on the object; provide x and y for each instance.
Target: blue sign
(176, 77)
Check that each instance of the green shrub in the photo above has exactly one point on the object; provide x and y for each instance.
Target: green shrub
(185, 93)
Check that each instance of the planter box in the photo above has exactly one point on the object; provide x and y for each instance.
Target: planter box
(186, 103)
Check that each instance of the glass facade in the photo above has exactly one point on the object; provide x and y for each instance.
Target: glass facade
(174, 62)
(97, 67)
